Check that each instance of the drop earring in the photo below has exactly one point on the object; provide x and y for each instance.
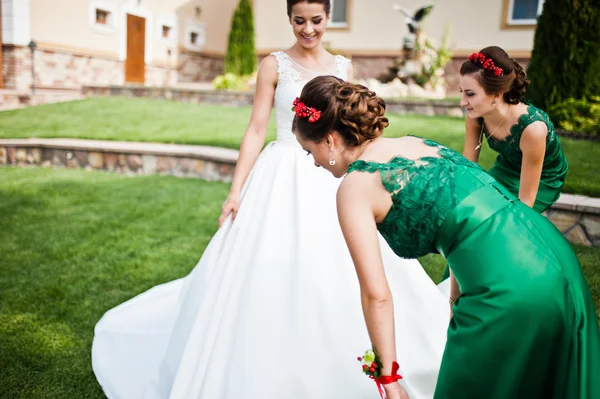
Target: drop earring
(331, 160)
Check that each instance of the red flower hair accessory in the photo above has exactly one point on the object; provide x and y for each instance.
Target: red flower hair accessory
(487, 63)
(302, 111)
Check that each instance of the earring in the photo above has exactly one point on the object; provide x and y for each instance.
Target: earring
(494, 102)
(331, 160)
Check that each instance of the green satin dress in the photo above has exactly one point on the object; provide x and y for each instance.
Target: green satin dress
(525, 325)
(507, 168)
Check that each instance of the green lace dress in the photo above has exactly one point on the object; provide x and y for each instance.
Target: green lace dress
(507, 169)
(525, 325)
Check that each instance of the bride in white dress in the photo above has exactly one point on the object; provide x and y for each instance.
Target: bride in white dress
(272, 310)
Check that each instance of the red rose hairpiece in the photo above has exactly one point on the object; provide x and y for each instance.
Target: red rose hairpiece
(487, 63)
(302, 111)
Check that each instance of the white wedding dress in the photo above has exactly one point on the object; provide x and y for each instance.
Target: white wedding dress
(272, 310)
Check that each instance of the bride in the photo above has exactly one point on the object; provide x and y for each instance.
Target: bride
(272, 307)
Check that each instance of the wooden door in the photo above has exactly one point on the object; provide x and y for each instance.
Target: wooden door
(135, 65)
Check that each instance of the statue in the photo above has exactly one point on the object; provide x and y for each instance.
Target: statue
(414, 26)
(419, 70)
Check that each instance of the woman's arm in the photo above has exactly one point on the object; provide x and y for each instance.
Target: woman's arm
(472, 137)
(355, 213)
(254, 138)
(533, 147)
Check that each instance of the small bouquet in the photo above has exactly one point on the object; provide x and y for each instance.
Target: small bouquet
(371, 366)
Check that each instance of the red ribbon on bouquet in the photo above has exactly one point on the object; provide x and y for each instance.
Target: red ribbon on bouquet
(388, 379)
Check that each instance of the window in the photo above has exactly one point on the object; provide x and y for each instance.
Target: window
(523, 12)
(339, 13)
(102, 16)
(195, 37)
(166, 31)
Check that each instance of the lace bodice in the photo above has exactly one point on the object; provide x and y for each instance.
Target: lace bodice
(509, 150)
(291, 79)
(424, 192)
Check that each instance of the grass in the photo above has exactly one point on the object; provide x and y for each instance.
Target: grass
(131, 120)
(74, 244)
(173, 122)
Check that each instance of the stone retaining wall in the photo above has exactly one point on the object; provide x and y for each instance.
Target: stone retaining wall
(577, 217)
(237, 98)
(128, 161)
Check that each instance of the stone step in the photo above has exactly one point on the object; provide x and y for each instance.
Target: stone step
(12, 99)
(130, 158)
(576, 216)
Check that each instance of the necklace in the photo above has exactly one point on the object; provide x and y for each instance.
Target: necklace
(494, 131)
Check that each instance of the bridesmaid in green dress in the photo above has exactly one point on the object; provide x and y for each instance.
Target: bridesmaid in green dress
(524, 323)
(530, 163)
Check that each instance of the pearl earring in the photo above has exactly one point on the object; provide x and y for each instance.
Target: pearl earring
(331, 160)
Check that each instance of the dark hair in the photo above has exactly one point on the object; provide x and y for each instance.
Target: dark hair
(352, 110)
(292, 3)
(512, 83)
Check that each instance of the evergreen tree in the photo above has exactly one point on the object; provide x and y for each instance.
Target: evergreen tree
(565, 61)
(241, 56)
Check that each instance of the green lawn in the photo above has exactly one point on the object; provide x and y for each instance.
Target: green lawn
(173, 122)
(74, 244)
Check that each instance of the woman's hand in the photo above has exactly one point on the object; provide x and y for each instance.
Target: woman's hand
(451, 302)
(231, 205)
(395, 391)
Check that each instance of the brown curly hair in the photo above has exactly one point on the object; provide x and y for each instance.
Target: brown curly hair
(512, 84)
(352, 110)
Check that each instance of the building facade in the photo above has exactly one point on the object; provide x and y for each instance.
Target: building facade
(70, 43)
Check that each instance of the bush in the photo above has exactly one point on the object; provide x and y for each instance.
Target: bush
(577, 115)
(230, 81)
(241, 55)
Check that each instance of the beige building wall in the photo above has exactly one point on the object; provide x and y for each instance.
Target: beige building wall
(65, 24)
(478, 24)
(73, 49)
(70, 25)
(375, 28)
(216, 16)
